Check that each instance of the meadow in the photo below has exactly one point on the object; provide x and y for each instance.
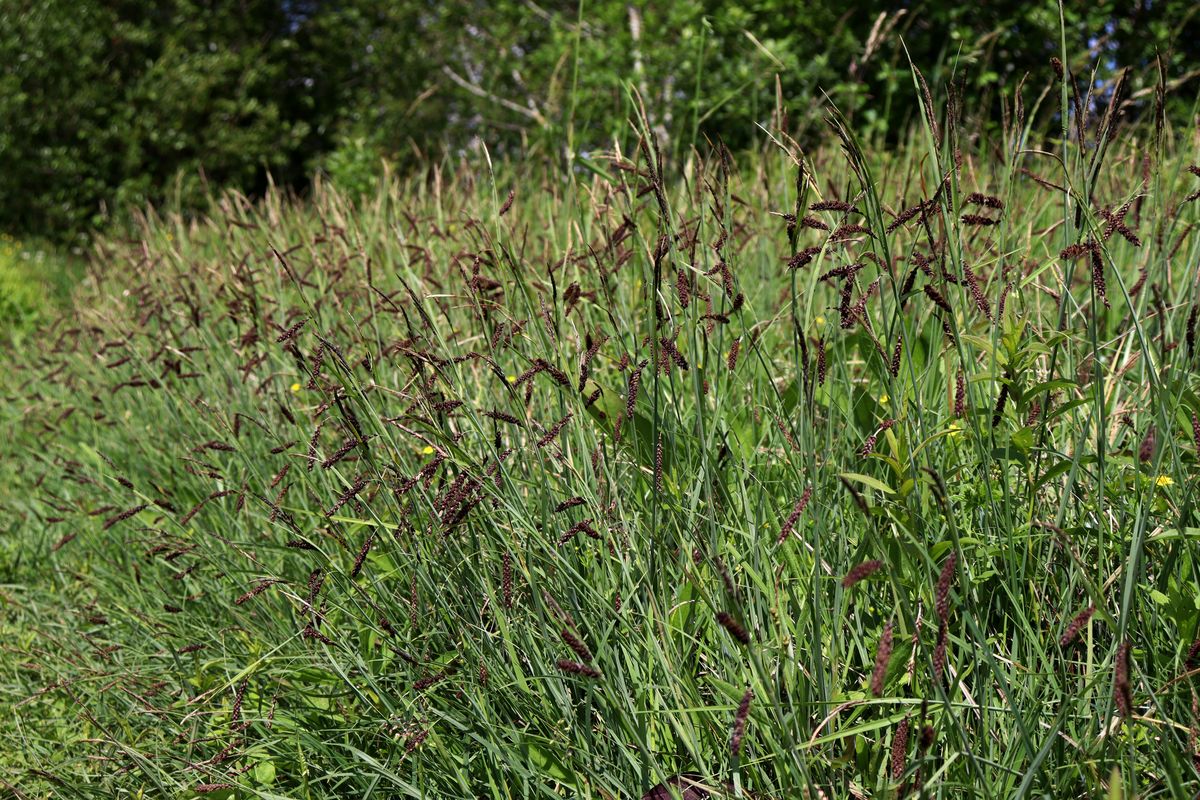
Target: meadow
(842, 472)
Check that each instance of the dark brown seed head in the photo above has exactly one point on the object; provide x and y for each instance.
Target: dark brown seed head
(291, 332)
(1097, 263)
(576, 668)
(1146, 448)
(960, 395)
(899, 749)
(939, 652)
(576, 644)
(820, 361)
(942, 596)
(1001, 401)
(803, 258)
(861, 572)
(1122, 692)
(506, 579)
(554, 431)
(978, 219)
(739, 723)
(939, 301)
(1076, 625)
(790, 523)
(985, 200)
(124, 515)
(833, 205)
(733, 626)
(658, 464)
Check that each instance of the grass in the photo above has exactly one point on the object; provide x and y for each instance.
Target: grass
(512, 481)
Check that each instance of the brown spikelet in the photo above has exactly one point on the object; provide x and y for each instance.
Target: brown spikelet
(734, 627)
(575, 643)
(899, 749)
(570, 502)
(985, 200)
(312, 446)
(1196, 430)
(803, 258)
(1191, 659)
(209, 788)
(833, 205)
(124, 515)
(820, 361)
(554, 431)
(978, 220)
(789, 524)
(1146, 448)
(1098, 283)
(1057, 66)
(1076, 625)
(576, 668)
(939, 301)
(861, 572)
(506, 579)
(501, 416)
(340, 453)
(1001, 401)
(508, 202)
(734, 349)
(658, 464)
(362, 556)
(1122, 691)
(631, 393)
(1190, 331)
(256, 591)
(739, 723)
(942, 595)
(683, 289)
(939, 652)
(882, 655)
(1077, 250)
(904, 216)
(291, 332)
(894, 367)
(981, 301)
(960, 395)
(345, 497)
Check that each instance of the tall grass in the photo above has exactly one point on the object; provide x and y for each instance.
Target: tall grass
(796, 474)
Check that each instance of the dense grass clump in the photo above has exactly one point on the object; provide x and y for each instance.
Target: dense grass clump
(828, 474)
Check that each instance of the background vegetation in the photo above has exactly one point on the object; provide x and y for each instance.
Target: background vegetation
(112, 105)
(660, 443)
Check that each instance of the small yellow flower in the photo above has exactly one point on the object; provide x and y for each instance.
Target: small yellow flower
(511, 378)
(883, 398)
(1164, 480)
(295, 387)
(427, 450)
(955, 428)
(820, 320)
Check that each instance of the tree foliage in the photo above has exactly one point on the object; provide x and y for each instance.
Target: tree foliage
(109, 104)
